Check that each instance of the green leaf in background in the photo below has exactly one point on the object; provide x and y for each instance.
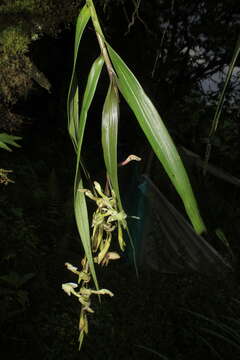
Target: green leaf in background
(163, 357)
(6, 140)
(221, 99)
(16, 280)
(218, 111)
(157, 135)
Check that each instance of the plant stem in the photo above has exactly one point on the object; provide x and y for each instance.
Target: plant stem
(101, 38)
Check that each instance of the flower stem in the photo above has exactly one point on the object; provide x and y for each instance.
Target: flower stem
(101, 38)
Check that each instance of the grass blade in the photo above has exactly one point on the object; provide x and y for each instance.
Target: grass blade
(233, 321)
(153, 352)
(157, 135)
(218, 111)
(221, 99)
(221, 326)
(196, 335)
(221, 337)
(212, 349)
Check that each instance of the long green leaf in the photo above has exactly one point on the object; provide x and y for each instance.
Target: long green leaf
(73, 98)
(81, 215)
(110, 118)
(91, 86)
(89, 93)
(76, 127)
(157, 135)
(80, 206)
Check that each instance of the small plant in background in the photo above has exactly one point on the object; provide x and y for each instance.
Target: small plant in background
(210, 330)
(218, 112)
(5, 141)
(110, 215)
(14, 294)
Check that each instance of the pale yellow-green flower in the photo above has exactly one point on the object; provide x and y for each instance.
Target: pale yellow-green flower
(69, 288)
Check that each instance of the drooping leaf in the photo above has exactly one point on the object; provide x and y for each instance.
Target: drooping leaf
(6, 139)
(73, 99)
(80, 206)
(110, 117)
(92, 82)
(76, 127)
(157, 135)
(81, 215)
(89, 93)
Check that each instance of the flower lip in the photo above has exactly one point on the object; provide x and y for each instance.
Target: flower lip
(69, 287)
(71, 267)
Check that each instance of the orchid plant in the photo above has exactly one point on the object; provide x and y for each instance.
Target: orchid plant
(110, 216)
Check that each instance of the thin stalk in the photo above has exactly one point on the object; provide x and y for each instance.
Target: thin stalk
(100, 38)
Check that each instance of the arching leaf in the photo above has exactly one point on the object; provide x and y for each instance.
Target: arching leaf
(157, 135)
(76, 127)
(110, 117)
(73, 99)
(80, 206)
